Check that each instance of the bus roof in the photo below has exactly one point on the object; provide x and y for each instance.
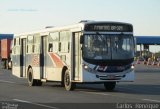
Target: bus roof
(80, 25)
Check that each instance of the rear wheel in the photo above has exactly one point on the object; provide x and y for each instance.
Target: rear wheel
(62, 82)
(31, 81)
(109, 86)
(6, 66)
(67, 82)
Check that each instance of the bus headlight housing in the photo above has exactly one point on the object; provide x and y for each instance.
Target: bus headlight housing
(132, 66)
(85, 66)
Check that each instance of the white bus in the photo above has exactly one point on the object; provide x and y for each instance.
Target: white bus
(87, 52)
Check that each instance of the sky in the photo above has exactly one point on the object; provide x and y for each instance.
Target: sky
(18, 16)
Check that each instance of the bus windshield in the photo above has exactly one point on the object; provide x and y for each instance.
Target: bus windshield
(108, 47)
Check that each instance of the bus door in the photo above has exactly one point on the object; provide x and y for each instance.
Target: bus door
(23, 58)
(43, 56)
(76, 55)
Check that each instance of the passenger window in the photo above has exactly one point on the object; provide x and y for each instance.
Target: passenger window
(53, 40)
(36, 46)
(64, 41)
(50, 47)
(14, 42)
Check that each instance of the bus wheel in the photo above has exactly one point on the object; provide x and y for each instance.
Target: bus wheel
(7, 67)
(31, 81)
(67, 83)
(109, 86)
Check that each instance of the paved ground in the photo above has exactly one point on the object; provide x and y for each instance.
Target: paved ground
(14, 92)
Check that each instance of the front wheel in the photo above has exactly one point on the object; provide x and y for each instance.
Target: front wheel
(67, 82)
(109, 86)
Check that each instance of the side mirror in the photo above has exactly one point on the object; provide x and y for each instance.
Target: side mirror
(81, 39)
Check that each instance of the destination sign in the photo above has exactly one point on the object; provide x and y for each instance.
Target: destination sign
(109, 27)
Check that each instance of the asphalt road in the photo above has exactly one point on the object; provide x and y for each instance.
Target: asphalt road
(15, 93)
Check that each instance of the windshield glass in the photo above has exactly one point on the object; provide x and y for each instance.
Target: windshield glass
(96, 47)
(123, 47)
(107, 47)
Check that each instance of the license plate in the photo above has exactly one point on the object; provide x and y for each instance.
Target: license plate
(111, 77)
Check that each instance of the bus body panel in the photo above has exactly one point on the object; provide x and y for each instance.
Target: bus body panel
(16, 71)
(16, 65)
(53, 67)
(36, 74)
(33, 61)
(54, 74)
(93, 77)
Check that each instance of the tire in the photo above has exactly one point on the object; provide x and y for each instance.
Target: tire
(62, 82)
(109, 86)
(69, 86)
(7, 65)
(31, 80)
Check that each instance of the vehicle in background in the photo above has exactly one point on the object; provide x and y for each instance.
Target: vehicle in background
(158, 59)
(140, 60)
(5, 50)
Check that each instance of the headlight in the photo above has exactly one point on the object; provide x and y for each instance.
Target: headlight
(85, 66)
(132, 66)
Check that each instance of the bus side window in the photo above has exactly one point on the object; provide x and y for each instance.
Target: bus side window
(50, 47)
(64, 41)
(68, 46)
(27, 48)
(14, 42)
(59, 46)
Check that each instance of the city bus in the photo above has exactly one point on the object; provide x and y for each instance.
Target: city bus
(86, 52)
